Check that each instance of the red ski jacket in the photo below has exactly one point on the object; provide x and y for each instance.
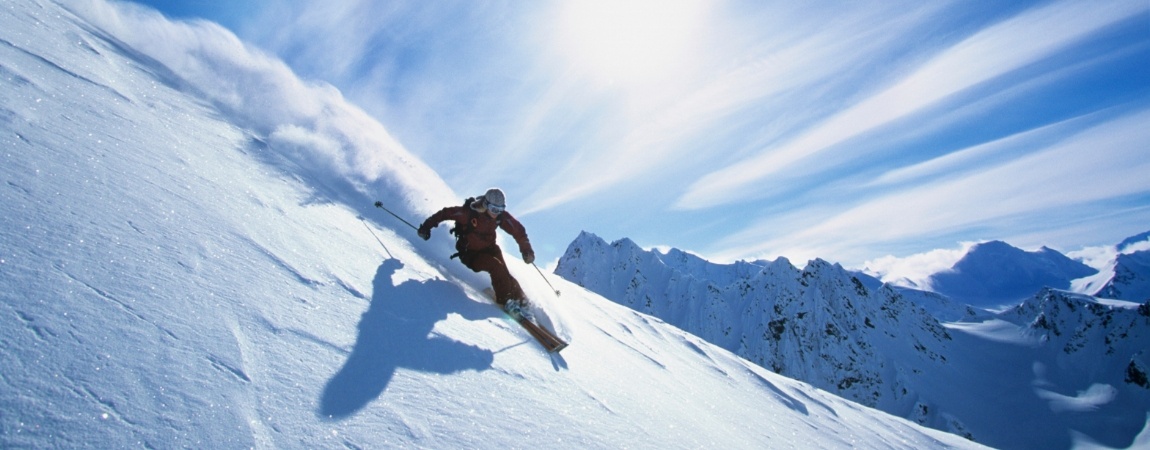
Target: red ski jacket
(480, 228)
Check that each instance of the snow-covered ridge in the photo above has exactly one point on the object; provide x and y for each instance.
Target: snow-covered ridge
(877, 345)
(994, 273)
(819, 324)
(1130, 279)
(1081, 328)
(1125, 271)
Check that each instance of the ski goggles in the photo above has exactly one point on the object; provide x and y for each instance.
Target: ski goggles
(496, 209)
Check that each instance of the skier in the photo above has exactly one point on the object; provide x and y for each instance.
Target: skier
(475, 224)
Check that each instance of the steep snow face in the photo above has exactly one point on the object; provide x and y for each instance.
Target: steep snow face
(1100, 337)
(1124, 270)
(172, 275)
(1130, 279)
(1103, 345)
(996, 379)
(995, 274)
(820, 324)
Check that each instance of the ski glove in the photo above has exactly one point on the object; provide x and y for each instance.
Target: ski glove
(529, 257)
(424, 232)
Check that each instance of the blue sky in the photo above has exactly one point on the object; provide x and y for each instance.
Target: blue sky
(742, 130)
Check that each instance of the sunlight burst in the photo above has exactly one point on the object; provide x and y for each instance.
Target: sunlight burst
(630, 41)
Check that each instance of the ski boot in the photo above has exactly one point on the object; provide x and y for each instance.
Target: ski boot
(519, 308)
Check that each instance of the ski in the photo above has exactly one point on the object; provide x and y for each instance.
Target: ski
(547, 339)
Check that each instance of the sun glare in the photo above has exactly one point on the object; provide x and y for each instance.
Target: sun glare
(630, 41)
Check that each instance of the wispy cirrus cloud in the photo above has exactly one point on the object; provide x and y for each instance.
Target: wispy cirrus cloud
(1046, 181)
(808, 129)
(701, 111)
(967, 159)
(990, 53)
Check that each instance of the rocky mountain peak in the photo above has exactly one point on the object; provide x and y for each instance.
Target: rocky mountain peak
(884, 346)
(821, 324)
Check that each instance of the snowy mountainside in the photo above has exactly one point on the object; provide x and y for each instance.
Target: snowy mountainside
(1137, 242)
(1131, 279)
(877, 346)
(177, 272)
(1100, 345)
(1129, 272)
(819, 324)
(939, 306)
(993, 274)
(1107, 340)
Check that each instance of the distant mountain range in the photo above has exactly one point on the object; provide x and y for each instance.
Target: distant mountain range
(994, 274)
(1050, 364)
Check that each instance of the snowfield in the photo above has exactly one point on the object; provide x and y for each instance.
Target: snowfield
(189, 258)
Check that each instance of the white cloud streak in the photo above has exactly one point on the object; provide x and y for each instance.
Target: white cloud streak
(479, 90)
(990, 53)
(1091, 399)
(960, 161)
(789, 58)
(1047, 180)
(915, 270)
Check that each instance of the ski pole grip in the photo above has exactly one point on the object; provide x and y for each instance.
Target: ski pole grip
(379, 204)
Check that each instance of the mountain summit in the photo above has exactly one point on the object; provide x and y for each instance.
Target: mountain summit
(995, 274)
(1130, 279)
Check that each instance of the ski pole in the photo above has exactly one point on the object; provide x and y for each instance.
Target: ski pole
(545, 279)
(379, 205)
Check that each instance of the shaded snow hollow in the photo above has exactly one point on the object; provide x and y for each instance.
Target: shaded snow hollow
(189, 258)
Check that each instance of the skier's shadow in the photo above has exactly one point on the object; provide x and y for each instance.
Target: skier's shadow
(393, 333)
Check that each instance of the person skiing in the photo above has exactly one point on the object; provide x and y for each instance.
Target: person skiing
(475, 224)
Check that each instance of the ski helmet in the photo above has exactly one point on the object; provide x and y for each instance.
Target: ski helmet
(496, 201)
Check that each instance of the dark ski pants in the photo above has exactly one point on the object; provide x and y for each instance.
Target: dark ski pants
(490, 260)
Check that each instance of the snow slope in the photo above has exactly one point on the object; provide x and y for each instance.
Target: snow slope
(189, 258)
(995, 274)
(1057, 371)
(1131, 279)
(1127, 276)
